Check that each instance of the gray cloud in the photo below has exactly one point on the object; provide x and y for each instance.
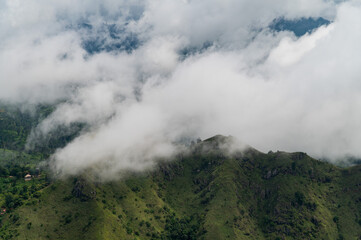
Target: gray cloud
(272, 90)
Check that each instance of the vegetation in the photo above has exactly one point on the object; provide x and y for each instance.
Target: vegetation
(16, 125)
(205, 193)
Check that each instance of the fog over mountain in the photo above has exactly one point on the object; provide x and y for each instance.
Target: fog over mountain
(143, 75)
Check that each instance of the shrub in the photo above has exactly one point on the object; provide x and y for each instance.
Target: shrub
(299, 198)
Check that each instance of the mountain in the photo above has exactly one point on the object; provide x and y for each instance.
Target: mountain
(298, 26)
(207, 192)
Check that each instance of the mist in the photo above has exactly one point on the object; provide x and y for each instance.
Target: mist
(142, 75)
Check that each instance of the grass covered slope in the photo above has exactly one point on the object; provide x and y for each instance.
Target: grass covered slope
(206, 193)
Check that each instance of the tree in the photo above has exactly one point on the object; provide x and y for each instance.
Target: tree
(9, 200)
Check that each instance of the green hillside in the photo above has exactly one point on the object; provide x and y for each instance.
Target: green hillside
(205, 193)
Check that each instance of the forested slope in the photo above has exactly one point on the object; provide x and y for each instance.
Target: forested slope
(205, 193)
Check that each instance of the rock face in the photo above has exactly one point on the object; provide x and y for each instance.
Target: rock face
(271, 173)
(83, 190)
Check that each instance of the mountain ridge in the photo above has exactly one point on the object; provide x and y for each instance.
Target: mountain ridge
(205, 193)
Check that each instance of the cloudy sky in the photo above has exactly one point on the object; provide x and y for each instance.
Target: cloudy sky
(143, 74)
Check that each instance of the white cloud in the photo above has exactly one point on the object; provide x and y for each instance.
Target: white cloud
(271, 90)
(290, 51)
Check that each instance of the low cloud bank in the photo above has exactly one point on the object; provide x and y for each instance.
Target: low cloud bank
(144, 75)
